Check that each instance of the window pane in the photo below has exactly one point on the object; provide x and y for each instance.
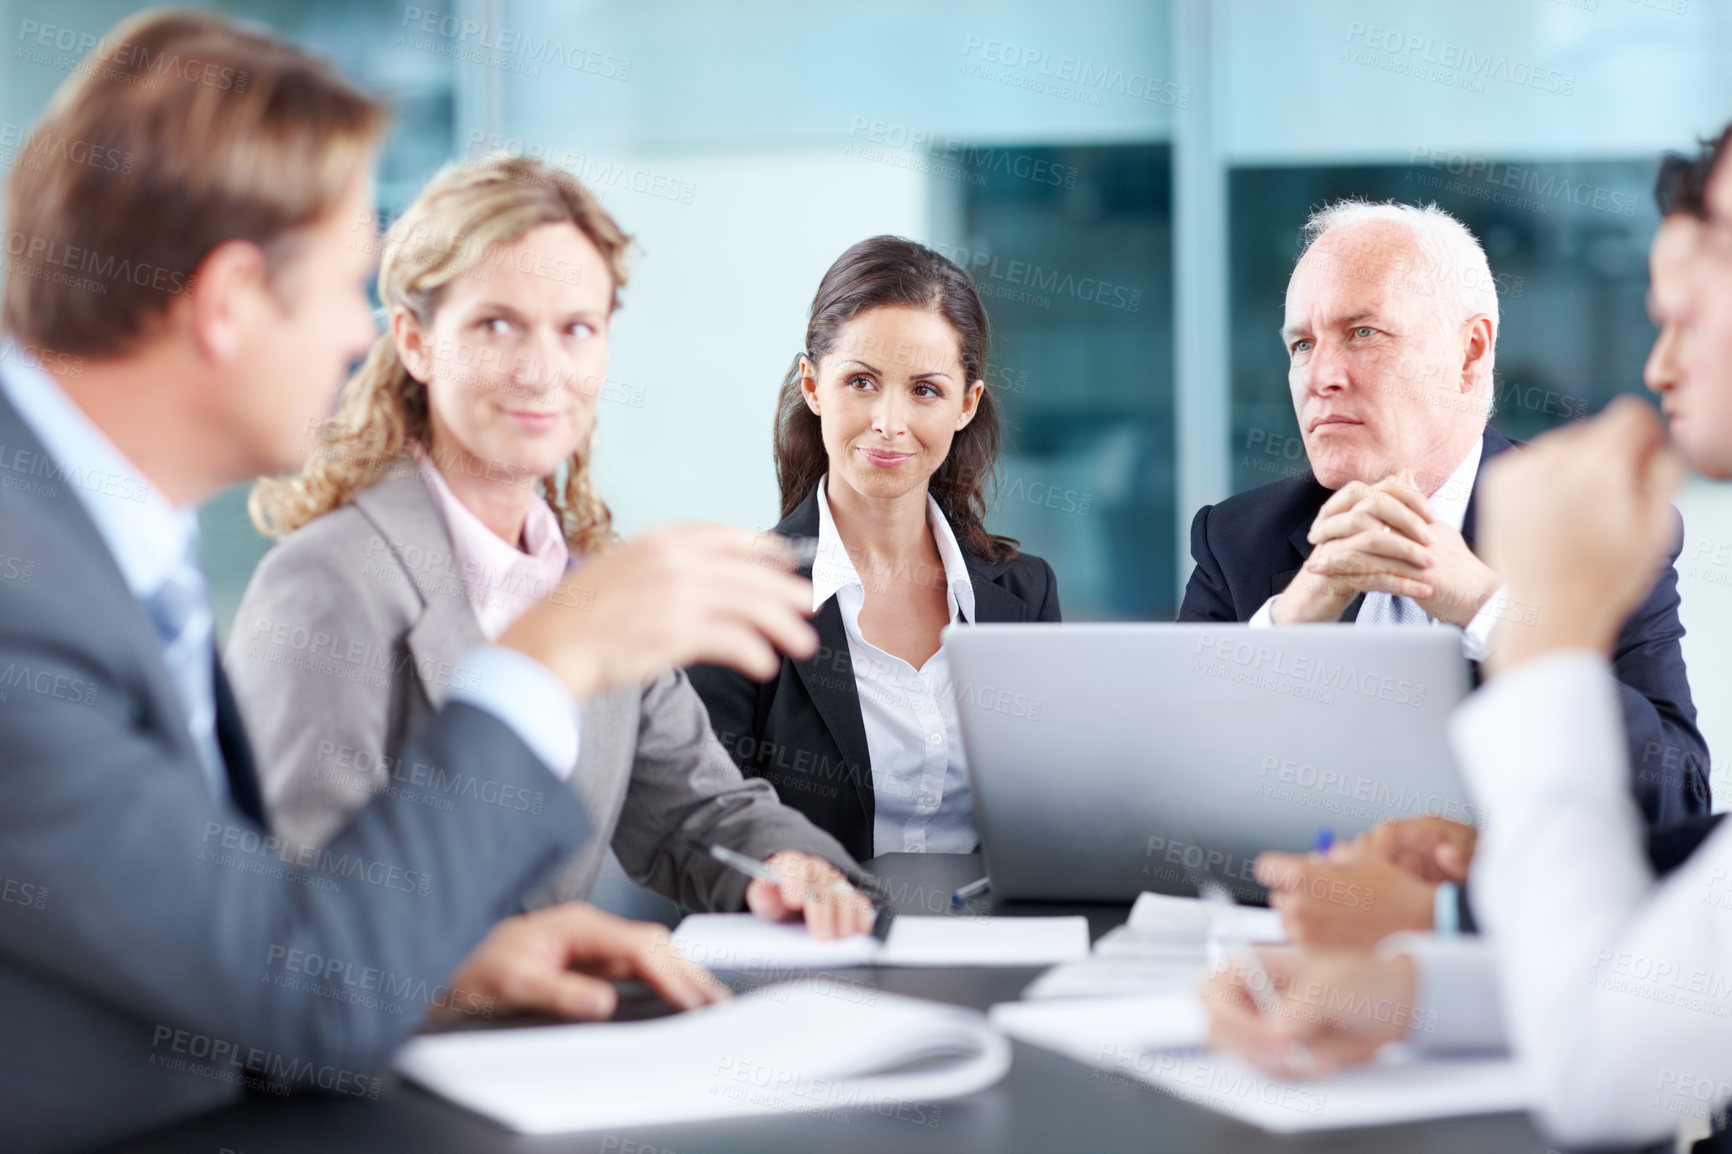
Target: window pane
(1077, 277)
(1567, 242)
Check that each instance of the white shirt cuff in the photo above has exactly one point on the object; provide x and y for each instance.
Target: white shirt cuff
(1510, 737)
(1264, 617)
(1446, 910)
(522, 693)
(1476, 638)
(1458, 1005)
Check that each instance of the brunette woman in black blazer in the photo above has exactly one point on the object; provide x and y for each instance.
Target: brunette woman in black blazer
(885, 437)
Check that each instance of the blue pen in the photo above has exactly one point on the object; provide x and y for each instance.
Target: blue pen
(1325, 840)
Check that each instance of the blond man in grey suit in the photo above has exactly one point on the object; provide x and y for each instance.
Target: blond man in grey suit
(149, 910)
(449, 494)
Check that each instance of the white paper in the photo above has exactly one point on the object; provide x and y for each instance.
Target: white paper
(1167, 944)
(941, 941)
(745, 942)
(1089, 1028)
(1158, 1040)
(1153, 945)
(1167, 913)
(777, 1050)
(1396, 1088)
(1113, 977)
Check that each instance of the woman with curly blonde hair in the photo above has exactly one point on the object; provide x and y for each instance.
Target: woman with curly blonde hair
(449, 493)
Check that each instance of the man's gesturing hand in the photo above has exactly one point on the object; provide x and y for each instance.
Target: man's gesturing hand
(1432, 849)
(670, 598)
(1349, 897)
(558, 961)
(1579, 524)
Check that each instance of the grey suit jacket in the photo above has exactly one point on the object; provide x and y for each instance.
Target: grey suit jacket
(348, 637)
(155, 945)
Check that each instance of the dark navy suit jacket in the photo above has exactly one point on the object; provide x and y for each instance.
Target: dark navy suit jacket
(1250, 546)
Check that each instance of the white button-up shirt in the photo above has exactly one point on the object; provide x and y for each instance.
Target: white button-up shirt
(1612, 987)
(922, 797)
(1617, 988)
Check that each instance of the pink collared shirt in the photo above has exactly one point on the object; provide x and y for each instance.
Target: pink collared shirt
(500, 581)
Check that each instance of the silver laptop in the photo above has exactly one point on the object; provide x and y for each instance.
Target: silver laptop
(1111, 759)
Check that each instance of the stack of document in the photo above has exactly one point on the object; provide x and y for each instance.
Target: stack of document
(1132, 1011)
(1396, 1087)
(1166, 945)
(1157, 1041)
(774, 1051)
(1164, 913)
(1090, 1029)
(744, 942)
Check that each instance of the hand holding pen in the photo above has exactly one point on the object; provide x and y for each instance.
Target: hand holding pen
(1304, 1013)
(792, 883)
(1295, 1056)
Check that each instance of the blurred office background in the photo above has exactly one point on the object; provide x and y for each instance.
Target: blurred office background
(1126, 179)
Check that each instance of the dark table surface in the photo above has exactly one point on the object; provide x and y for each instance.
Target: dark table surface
(1045, 1104)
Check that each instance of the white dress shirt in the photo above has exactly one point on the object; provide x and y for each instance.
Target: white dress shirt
(1458, 1006)
(148, 538)
(1617, 988)
(1449, 506)
(921, 794)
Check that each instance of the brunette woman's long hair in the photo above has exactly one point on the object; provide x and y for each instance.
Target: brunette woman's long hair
(880, 272)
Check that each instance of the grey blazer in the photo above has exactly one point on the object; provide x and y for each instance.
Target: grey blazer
(348, 637)
(153, 938)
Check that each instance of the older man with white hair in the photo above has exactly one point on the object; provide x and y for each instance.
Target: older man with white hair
(1391, 331)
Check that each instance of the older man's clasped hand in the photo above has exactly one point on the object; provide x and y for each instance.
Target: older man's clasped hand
(1385, 538)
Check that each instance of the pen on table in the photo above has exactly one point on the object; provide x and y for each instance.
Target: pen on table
(1257, 980)
(872, 891)
(758, 870)
(972, 890)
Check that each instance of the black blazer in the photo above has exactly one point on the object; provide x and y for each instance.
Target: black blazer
(802, 732)
(1250, 546)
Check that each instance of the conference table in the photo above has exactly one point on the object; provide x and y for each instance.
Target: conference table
(1045, 1104)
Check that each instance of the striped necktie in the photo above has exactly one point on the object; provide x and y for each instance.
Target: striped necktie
(180, 610)
(1388, 609)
